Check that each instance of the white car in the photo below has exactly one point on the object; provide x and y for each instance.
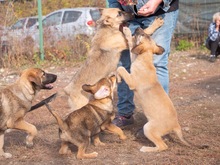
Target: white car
(67, 23)
(17, 32)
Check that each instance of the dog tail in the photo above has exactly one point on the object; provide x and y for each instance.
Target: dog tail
(57, 117)
(47, 100)
(179, 133)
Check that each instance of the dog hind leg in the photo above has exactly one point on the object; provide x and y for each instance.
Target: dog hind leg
(155, 138)
(179, 133)
(2, 153)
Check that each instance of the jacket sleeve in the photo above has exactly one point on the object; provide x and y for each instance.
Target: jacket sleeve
(213, 34)
(114, 4)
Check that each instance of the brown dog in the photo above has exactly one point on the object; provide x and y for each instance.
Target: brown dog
(16, 100)
(157, 106)
(106, 48)
(86, 123)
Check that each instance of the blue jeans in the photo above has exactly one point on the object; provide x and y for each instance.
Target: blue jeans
(162, 37)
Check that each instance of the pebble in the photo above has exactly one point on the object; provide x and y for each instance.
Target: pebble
(185, 128)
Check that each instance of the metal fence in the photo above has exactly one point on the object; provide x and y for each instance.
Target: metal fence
(195, 16)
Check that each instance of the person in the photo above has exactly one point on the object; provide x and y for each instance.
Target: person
(213, 40)
(145, 12)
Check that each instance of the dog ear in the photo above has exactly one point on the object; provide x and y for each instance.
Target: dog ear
(113, 79)
(101, 10)
(158, 50)
(105, 21)
(137, 49)
(89, 88)
(35, 79)
(103, 92)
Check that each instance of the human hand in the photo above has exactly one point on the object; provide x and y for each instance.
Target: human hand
(149, 8)
(217, 24)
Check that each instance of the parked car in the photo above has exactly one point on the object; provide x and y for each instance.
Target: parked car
(17, 32)
(67, 23)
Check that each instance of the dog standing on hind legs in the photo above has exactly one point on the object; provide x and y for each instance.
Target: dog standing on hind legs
(87, 122)
(156, 104)
(103, 57)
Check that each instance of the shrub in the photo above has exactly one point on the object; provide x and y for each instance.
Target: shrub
(184, 45)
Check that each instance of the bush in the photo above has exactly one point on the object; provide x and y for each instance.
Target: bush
(184, 45)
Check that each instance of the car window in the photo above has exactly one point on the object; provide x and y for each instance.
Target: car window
(53, 19)
(31, 22)
(71, 16)
(19, 24)
(95, 14)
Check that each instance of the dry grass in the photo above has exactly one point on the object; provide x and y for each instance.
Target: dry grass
(24, 54)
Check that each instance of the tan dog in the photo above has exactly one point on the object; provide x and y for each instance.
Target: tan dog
(86, 123)
(16, 100)
(106, 48)
(157, 106)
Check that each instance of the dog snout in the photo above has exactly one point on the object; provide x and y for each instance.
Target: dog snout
(128, 16)
(49, 78)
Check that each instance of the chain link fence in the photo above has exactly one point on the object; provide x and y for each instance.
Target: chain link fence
(195, 16)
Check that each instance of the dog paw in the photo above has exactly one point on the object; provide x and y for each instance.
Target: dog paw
(99, 144)
(159, 21)
(65, 151)
(87, 156)
(149, 149)
(29, 144)
(6, 155)
(68, 152)
(123, 137)
(8, 130)
(94, 155)
(118, 79)
(144, 149)
(126, 31)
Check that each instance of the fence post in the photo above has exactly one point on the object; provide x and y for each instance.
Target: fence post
(106, 4)
(40, 30)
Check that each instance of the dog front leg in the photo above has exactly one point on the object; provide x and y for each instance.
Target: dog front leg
(114, 129)
(97, 141)
(131, 42)
(81, 151)
(64, 149)
(29, 128)
(2, 153)
(158, 22)
(128, 78)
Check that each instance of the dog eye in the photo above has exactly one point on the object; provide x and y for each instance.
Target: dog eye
(44, 73)
(119, 14)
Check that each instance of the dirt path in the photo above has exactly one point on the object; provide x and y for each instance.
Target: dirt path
(194, 90)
